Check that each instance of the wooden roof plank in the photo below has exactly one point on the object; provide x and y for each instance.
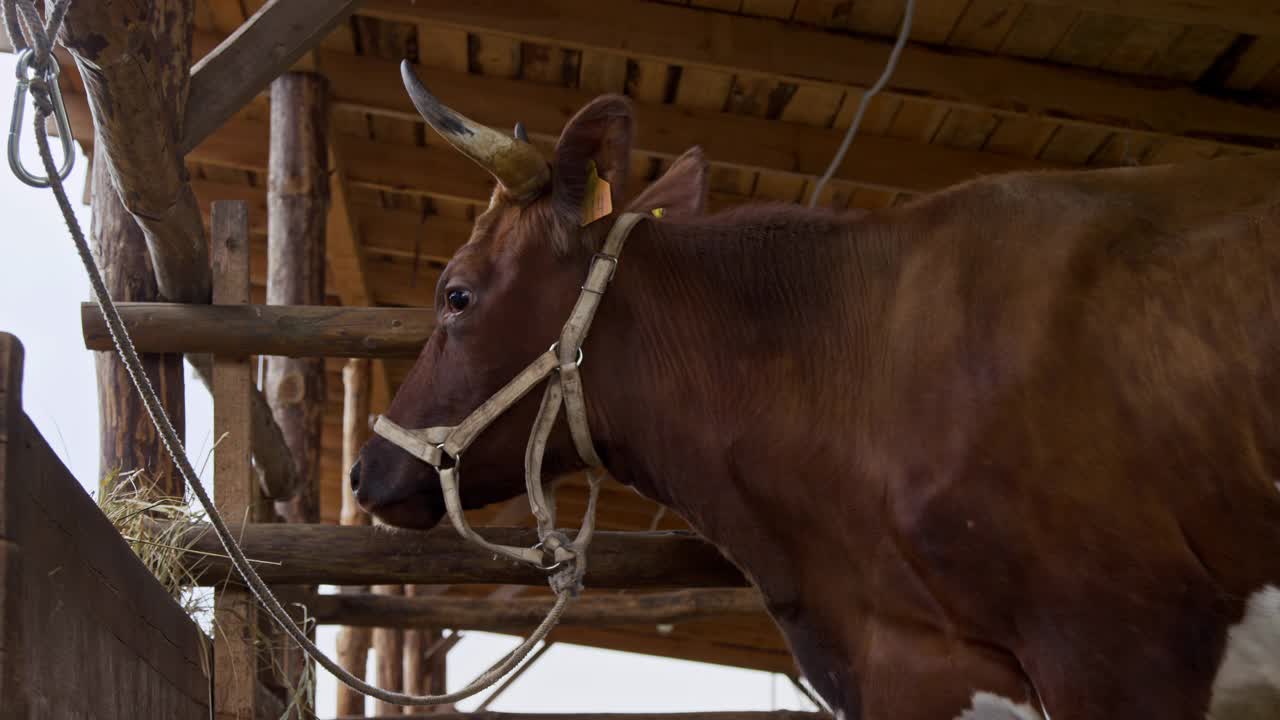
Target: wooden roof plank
(1255, 17)
(758, 46)
(1038, 30)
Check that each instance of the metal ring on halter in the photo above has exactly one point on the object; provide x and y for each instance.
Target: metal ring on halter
(576, 363)
(446, 454)
(546, 568)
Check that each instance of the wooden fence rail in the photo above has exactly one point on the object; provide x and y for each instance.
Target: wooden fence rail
(289, 330)
(353, 555)
(467, 613)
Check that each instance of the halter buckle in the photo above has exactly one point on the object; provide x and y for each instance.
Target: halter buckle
(609, 259)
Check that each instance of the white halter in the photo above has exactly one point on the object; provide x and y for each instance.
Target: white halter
(442, 447)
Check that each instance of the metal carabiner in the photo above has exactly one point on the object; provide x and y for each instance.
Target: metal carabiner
(60, 116)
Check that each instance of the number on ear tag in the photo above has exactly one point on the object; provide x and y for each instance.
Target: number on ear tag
(597, 202)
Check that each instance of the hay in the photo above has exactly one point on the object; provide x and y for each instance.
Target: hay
(132, 504)
(157, 530)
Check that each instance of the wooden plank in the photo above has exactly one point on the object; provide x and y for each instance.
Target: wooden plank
(1252, 17)
(1258, 60)
(77, 608)
(985, 24)
(757, 144)
(388, 649)
(689, 642)
(353, 643)
(250, 58)
(236, 494)
(1091, 39)
(1038, 30)
(134, 103)
(326, 554)
(522, 614)
(11, 424)
(1192, 54)
(1006, 85)
(1141, 46)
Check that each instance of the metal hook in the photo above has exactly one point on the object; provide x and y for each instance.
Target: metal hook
(26, 73)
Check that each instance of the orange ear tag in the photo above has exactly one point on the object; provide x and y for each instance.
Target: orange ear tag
(597, 202)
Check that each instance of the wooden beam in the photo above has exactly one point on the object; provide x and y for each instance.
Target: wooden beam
(1249, 17)
(243, 64)
(297, 208)
(281, 330)
(327, 554)
(372, 85)
(517, 614)
(135, 81)
(235, 494)
(763, 47)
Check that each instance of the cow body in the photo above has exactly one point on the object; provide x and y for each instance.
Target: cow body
(1015, 440)
(1020, 434)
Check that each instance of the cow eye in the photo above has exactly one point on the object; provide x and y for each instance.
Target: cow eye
(458, 299)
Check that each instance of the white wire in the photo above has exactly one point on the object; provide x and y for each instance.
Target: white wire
(903, 33)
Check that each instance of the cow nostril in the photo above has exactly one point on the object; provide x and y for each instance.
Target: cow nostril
(355, 476)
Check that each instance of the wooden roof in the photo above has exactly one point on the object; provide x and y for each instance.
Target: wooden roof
(766, 87)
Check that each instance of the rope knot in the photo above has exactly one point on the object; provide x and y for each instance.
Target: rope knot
(41, 96)
(568, 580)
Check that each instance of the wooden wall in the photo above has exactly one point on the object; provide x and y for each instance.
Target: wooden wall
(85, 630)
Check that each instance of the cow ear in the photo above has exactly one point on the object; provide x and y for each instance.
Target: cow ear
(595, 142)
(682, 189)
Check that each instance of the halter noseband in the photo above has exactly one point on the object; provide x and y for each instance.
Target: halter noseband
(442, 447)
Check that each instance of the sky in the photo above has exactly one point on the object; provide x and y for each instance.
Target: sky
(41, 287)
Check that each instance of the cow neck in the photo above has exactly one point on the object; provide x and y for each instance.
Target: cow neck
(711, 355)
(442, 447)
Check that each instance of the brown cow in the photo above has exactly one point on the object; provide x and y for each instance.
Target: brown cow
(1011, 448)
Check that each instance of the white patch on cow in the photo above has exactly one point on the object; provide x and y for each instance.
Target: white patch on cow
(1247, 686)
(988, 706)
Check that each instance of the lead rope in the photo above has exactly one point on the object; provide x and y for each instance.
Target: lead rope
(904, 31)
(564, 587)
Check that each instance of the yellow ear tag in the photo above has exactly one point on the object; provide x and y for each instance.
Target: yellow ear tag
(659, 212)
(597, 202)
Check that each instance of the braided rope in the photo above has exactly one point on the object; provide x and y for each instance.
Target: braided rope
(36, 32)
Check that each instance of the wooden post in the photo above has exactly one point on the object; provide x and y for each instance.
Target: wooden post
(134, 60)
(353, 643)
(129, 439)
(297, 206)
(388, 644)
(236, 493)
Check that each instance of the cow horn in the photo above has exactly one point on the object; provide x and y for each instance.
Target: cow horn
(516, 164)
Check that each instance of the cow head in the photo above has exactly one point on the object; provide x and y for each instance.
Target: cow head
(504, 296)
